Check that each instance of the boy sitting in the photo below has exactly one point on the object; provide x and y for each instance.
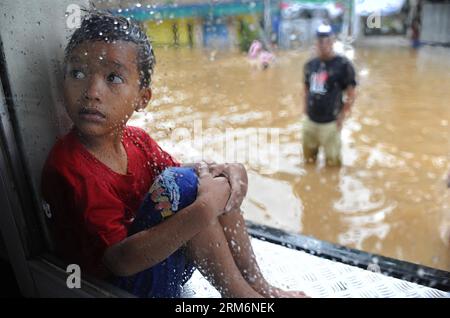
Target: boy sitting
(97, 178)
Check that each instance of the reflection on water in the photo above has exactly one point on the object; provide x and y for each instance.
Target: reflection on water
(389, 198)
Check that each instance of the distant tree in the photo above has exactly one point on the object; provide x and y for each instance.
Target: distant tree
(246, 36)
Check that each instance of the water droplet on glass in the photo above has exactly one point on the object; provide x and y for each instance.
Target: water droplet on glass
(420, 272)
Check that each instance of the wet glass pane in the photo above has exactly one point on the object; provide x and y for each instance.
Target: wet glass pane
(212, 100)
(229, 85)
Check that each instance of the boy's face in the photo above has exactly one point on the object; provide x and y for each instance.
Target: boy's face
(102, 86)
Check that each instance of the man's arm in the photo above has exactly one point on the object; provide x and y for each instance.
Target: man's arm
(350, 95)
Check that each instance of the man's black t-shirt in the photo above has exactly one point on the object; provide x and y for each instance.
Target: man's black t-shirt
(326, 81)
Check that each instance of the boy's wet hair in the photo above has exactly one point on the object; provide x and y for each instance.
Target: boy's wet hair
(103, 26)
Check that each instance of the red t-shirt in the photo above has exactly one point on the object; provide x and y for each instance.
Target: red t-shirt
(91, 205)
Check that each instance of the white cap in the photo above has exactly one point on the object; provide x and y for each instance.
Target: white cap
(324, 30)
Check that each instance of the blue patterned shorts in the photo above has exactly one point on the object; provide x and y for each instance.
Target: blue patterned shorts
(173, 190)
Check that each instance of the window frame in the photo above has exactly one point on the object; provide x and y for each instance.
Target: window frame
(22, 220)
(40, 274)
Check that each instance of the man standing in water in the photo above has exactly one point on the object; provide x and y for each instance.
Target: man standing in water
(329, 94)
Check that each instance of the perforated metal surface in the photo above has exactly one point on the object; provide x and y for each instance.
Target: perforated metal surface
(318, 277)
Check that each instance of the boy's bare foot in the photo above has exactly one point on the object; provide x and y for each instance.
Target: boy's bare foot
(280, 293)
(269, 291)
(275, 292)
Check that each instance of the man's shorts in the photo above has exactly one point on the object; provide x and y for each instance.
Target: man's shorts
(326, 135)
(174, 189)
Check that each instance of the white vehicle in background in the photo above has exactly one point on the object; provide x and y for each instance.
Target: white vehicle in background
(300, 20)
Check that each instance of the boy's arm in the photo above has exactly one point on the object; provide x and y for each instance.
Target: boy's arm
(149, 247)
(236, 175)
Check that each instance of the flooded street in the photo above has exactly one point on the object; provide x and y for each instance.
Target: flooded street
(389, 197)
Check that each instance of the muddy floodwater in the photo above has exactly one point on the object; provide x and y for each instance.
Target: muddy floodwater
(389, 197)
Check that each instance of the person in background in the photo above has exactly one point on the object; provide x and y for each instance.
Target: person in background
(329, 91)
(259, 57)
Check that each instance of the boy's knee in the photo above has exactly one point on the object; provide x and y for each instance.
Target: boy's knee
(223, 184)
